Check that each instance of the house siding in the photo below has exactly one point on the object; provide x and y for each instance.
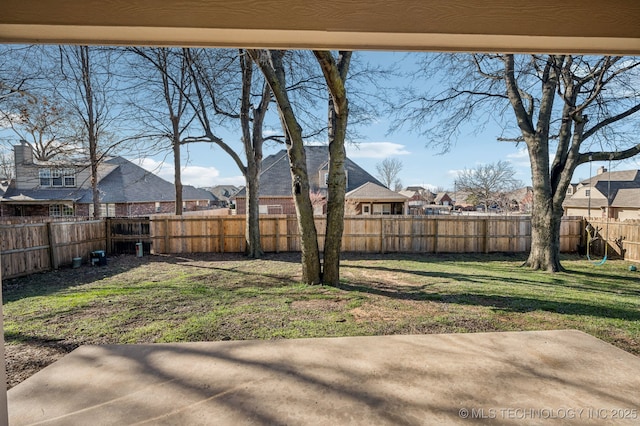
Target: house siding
(286, 204)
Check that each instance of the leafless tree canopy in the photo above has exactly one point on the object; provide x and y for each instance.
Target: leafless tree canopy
(388, 171)
(486, 184)
(563, 107)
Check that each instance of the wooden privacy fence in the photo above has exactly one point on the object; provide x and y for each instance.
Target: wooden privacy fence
(40, 246)
(621, 239)
(369, 234)
(34, 247)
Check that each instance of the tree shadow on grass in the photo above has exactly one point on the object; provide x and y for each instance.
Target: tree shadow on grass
(45, 283)
(497, 302)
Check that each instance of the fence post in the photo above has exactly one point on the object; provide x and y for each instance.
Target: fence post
(381, 234)
(486, 235)
(221, 235)
(435, 235)
(166, 235)
(53, 253)
(277, 234)
(107, 222)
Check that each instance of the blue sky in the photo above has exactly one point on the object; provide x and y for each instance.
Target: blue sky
(206, 165)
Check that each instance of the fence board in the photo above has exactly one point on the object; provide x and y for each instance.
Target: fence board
(32, 247)
(367, 234)
(621, 239)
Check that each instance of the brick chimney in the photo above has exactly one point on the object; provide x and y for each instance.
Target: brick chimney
(23, 153)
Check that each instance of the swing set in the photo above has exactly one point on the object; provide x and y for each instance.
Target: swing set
(593, 233)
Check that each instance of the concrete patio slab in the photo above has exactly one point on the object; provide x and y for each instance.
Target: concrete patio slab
(505, 378)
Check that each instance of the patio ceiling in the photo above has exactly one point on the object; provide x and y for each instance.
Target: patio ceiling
(588, 26)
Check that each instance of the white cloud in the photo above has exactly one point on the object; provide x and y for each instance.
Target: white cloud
(197, 176)
(376, 150)
(520, 155)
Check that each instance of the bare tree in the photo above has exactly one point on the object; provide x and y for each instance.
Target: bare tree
(7, 165)
(41, 123)
(163, 104)
(569, 108)
(486, 184)
(388, 171)
(215, 87)
(271, 64)
(335, 71)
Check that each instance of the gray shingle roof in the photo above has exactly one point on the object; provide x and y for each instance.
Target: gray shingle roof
(275, 178)
(124, 182)
(623, 188)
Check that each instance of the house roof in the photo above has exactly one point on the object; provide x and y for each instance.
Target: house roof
(121, 182)
(621, 187)
(275, 177)
(373, 192)
(223, 192)
(440, 196)
(407, 193)
(414, 188)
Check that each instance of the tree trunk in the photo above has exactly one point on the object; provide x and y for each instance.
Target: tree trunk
(253, 141)
(270, 63)
(335, 74)
(90, 125)
(311, 272)
(546, 216)
(545, 238)
(254, 246)
(177, 176)
(335, 213)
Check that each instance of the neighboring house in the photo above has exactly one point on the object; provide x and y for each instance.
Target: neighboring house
(275, 181)
(589, 199)
(520, 200)
(224, 193)
(418, 198)
(64, 189)
(442, 199)
(371, 198)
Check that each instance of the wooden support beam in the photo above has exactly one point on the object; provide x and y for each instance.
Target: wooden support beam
(588, 26)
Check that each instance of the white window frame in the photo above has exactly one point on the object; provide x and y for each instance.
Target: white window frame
(44, 175)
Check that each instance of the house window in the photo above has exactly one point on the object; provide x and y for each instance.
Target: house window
(57, 177)
(366, 210)
(45, 177)
(69, 176)
(106, 210)
(157, 207)
(326, 179)
(587, 192)
(60, 210)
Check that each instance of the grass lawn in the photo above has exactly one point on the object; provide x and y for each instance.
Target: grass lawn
(228, 297)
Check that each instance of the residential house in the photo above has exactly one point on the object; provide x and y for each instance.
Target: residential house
(275, 181)
(224, 193)
(372, 199)
(63, 189)
(418, 198)
(615, 195)
(520, 200)
(442, 199)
